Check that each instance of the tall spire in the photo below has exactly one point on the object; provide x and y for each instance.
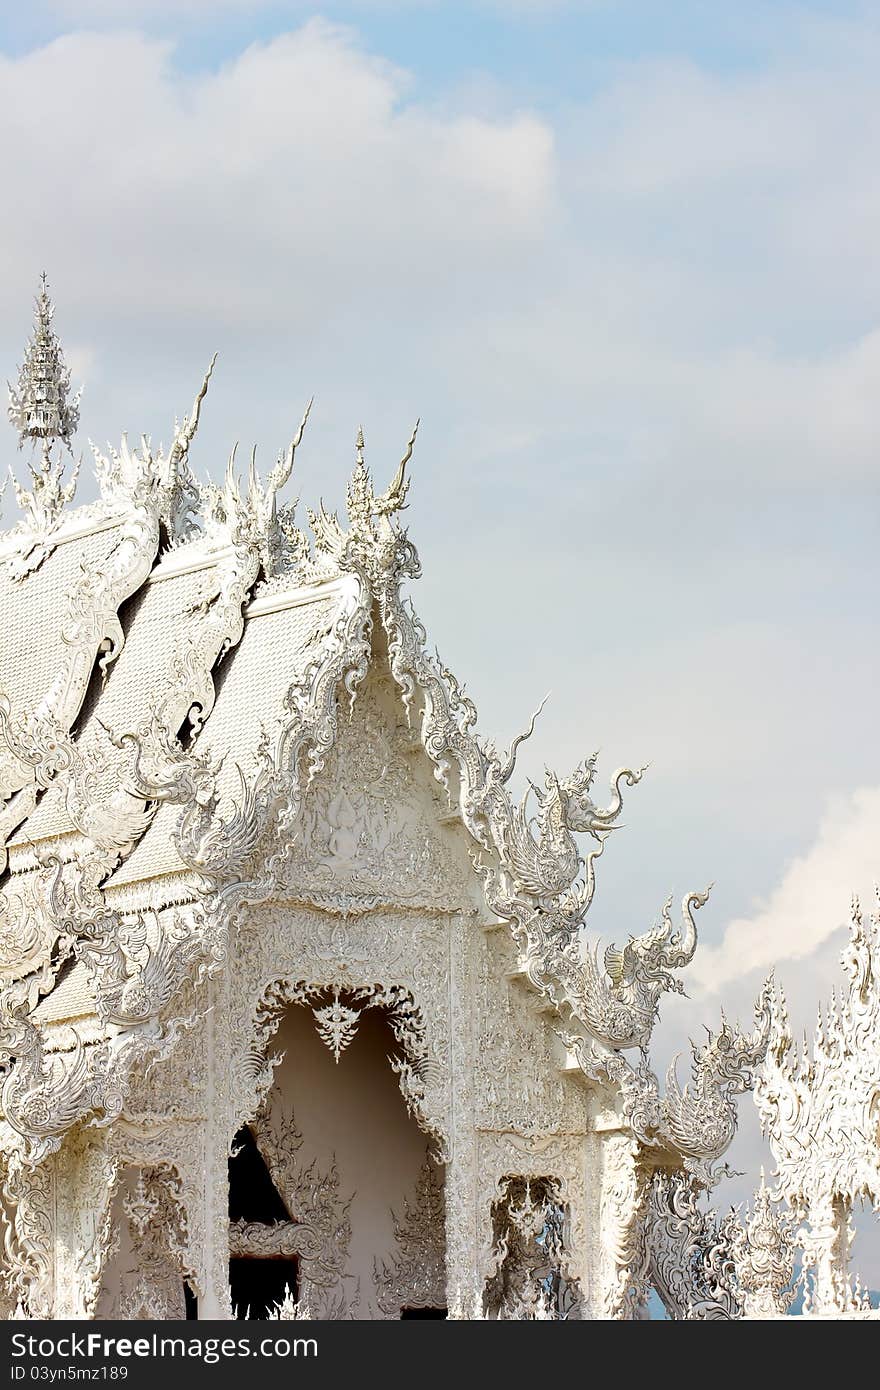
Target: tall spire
(42, 407)
(43, 411)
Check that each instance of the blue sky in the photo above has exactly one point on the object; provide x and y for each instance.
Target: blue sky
(622, 260)
(547, 53)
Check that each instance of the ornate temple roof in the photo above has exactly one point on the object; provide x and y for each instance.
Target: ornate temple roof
(176, 663)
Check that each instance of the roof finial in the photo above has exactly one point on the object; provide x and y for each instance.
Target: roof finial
(42, 407)
(359, 445)
(42, 410)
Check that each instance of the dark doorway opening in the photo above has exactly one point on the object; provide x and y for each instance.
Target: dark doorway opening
(422, 1313)
(252, 1194)
(256, 1286)
(257, 1283)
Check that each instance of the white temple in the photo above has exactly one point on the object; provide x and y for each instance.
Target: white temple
(296, 1004)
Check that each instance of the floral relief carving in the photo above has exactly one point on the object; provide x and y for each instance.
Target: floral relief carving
(364, 838)
(151, 1285)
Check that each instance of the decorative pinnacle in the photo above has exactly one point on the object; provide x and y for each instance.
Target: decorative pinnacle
(42, 406)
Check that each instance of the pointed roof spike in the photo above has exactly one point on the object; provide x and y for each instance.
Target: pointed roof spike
(185, 433)
(281, 473)
(394, 497)
(510, 760)
(43, 411)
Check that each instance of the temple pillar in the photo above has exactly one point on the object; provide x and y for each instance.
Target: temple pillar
(826, 1250)
(213, 1274)
(466, 1222)
(619, 1290)
(29, 1202)
(468, 1230)
(86, 1175)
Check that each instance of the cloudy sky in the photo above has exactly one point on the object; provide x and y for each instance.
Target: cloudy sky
(622, 260)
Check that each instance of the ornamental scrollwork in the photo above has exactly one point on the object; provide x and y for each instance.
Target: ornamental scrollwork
(336, 1023)
(714, 1268)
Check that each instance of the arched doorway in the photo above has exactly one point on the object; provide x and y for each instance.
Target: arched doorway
(333, 1194)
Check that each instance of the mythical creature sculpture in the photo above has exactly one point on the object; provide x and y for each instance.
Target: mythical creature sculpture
(699, 1118)
(689, 1255)
(717, 1268)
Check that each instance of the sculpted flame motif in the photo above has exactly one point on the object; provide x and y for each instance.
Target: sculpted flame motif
(415, 1276)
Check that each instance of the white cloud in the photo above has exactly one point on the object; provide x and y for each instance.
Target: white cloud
(686, 260)
(811, 901)
(297, 163)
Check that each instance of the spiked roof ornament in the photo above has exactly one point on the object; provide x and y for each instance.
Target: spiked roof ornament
(43, 411)
(363, 504)
(42, 407)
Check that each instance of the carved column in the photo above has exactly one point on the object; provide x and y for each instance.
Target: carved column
(620, 1283)
(582, 1224)
(86, 1182)
(214, 1299)
(465, 1223)
(29, 1265)
(826, 1249)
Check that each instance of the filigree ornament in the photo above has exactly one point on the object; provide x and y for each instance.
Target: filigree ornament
(337, 1025)
(373, 856)
(718, 1268)
(530, 1278)
(152, 1286)
(690, 1259)
(319, 1232)
(764, 1250)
